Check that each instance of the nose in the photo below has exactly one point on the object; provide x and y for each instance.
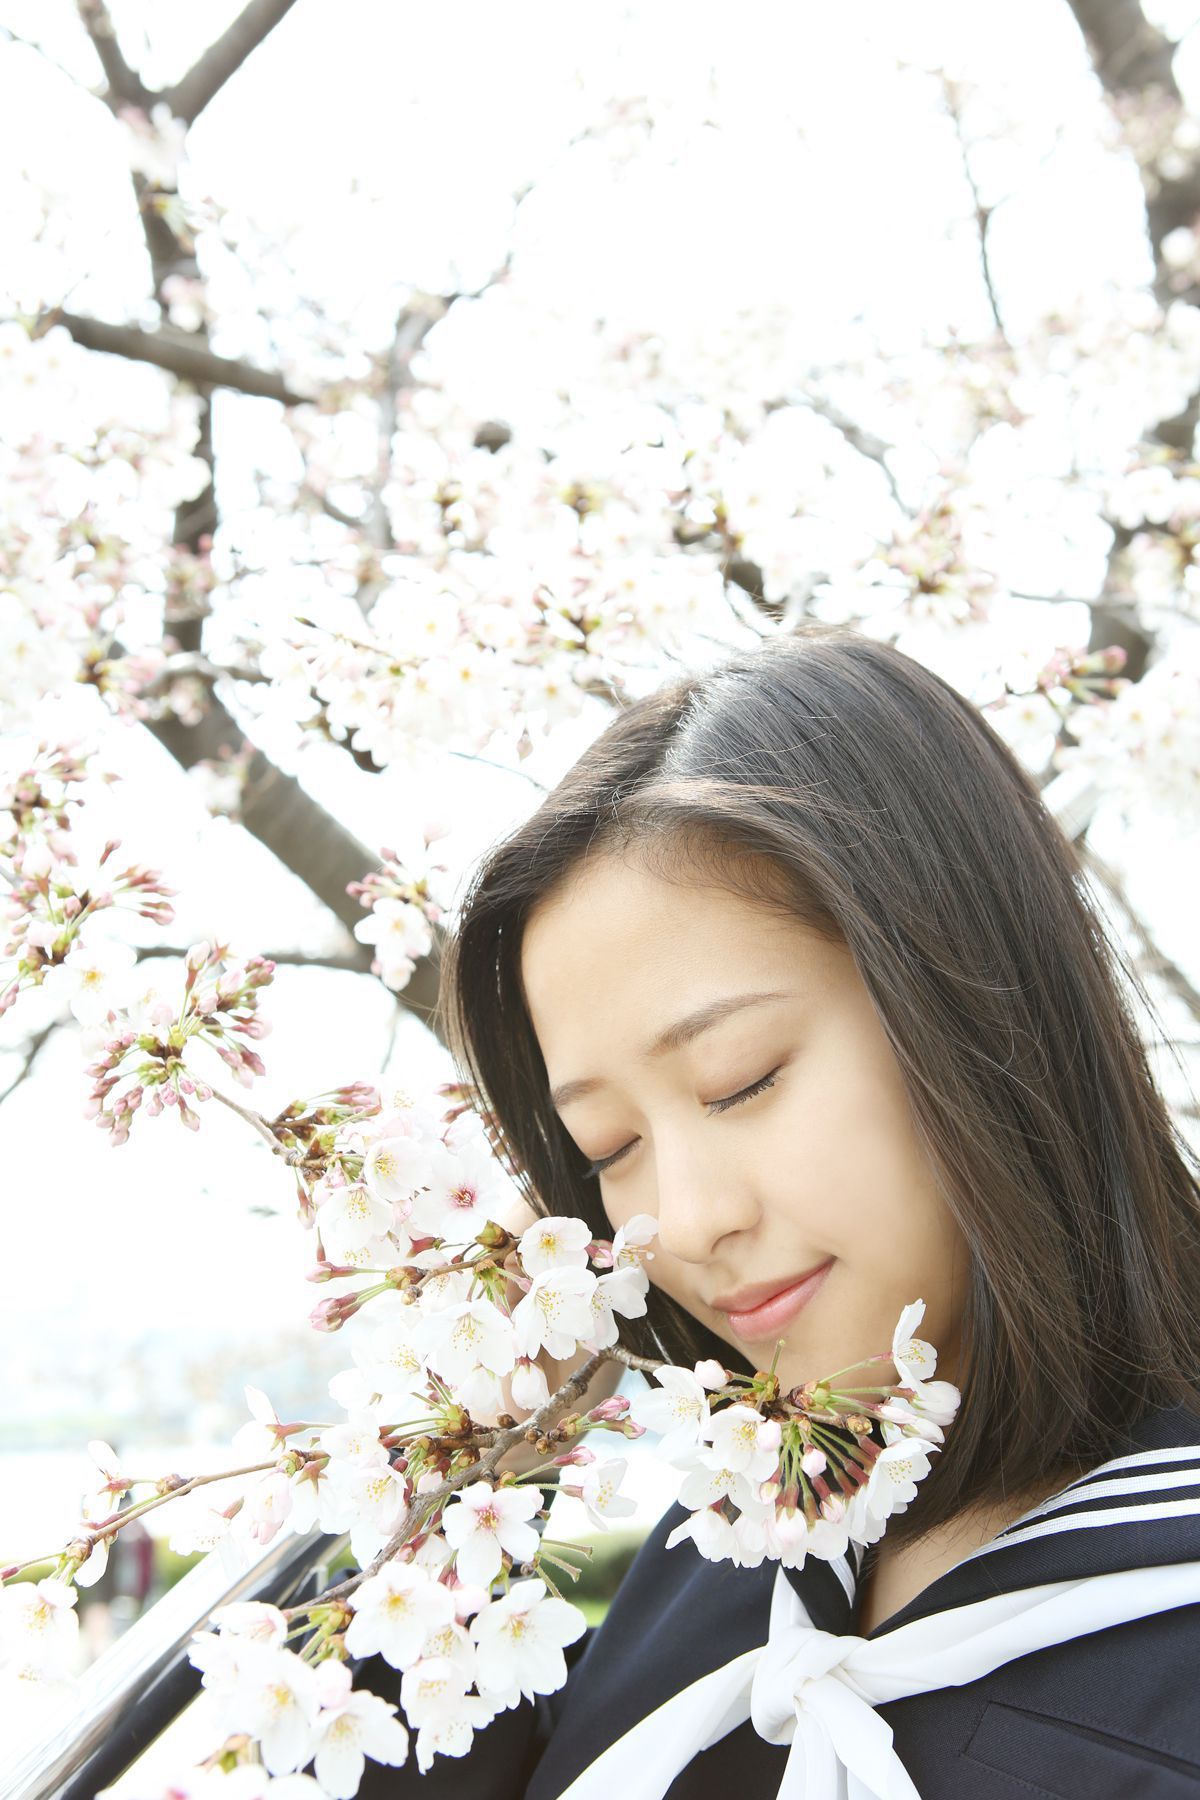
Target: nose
(702, 1198)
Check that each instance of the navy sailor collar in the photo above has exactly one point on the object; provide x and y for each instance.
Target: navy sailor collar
(677, 1617)
(1139, 1509)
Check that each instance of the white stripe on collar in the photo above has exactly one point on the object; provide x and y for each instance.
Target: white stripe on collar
(1153, 1481)
(1112, 1515)
(1084, 1486)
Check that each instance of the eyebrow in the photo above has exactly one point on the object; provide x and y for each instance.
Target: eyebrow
(674, 1037)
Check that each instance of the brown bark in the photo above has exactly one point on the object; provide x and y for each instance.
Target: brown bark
(180, 353)
(223, 58)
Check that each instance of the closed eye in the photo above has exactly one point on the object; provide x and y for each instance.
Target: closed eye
(714, 1106)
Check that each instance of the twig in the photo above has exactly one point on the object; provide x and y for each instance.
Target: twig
(292, 1157)
(97, 1529)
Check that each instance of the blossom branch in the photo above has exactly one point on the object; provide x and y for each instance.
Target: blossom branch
(97, 1529)
(573, 1388)
(125, 86)
(182, 354)
(223, 58)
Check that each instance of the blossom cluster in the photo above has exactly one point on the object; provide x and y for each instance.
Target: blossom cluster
(1042, 701)
(56, 893)
(402, 917)
(1143, 746)
(85, 534)
(140, 1062)
(456, 1592)
(785, 1476)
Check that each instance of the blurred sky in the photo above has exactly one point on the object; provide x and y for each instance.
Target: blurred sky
(385, 143)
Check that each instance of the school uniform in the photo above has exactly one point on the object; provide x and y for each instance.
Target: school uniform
(1062, 1659)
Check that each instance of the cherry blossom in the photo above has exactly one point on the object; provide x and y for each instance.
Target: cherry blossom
(38, 1626)
(894, 1477)
(554, 1243)
(631, 1240)
(90, 978)
(434, 1697)
(482, 1522)
(710, 1530)
(914, 1359)
(274, 1697)
(520, 1639)
(599, 1491)
(741, 1439)
(556, 1312)
(394, 1613)
(677, 1409)
(350, 1727)
(464, 1191)
(396, 1166)
(466, 1336)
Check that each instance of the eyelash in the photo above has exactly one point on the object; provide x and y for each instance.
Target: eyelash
(715, 1106)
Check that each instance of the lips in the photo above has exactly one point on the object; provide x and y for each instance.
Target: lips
(748, 1298)
(771, 1316)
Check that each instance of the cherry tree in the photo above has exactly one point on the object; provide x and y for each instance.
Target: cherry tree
(408, 574)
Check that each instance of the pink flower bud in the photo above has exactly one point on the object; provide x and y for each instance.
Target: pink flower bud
(253, 1028)
(710, 1374)
(327, 1316)
(580, 1456)
(615, 1407)
(813, 1462)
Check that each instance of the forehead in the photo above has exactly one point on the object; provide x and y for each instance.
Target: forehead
(619, 951)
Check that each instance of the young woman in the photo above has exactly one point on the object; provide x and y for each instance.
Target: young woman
(795, 960)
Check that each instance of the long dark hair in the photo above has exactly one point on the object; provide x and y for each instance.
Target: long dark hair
(890, 815)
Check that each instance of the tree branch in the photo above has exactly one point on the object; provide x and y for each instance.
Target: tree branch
(125, 86)
(179, 353)
(295, 828)
(1128, 53)
(293, 959)
(32, 1050)
(867, 444)
(983, 214)
(209, 74)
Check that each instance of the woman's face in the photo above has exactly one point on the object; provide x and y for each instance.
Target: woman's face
(819, 1170)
